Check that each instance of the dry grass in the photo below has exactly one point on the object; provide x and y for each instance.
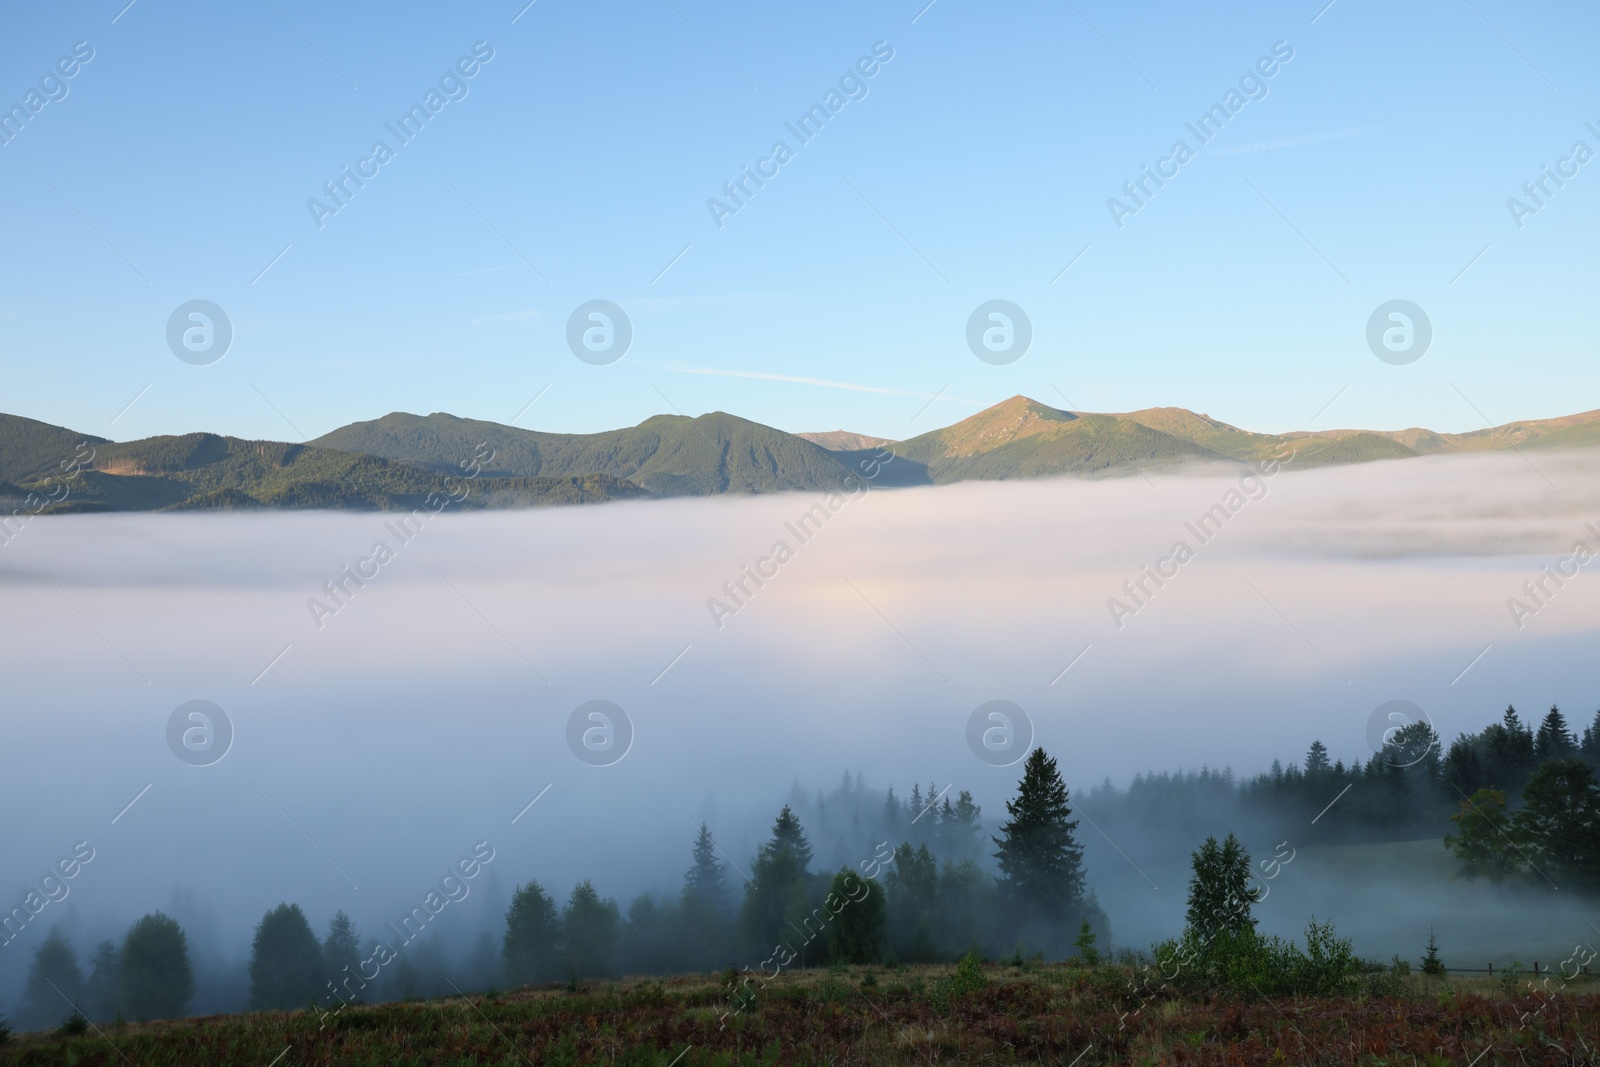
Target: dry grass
(1048, 1015)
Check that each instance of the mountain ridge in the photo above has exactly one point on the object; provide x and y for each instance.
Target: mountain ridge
(402, 460)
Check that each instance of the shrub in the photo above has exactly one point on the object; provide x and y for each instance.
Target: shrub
(1329, 961)
(1244, 962)
(5, 1030)
(1382, 982)
(75, 1025)
(967, 978)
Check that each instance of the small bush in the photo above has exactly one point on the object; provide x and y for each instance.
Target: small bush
(967, 978)
(74, 1025)
(1381, 983)
(5, 1030)
(831, 991)
(1245, 963)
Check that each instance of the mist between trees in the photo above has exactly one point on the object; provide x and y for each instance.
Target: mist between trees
(885, 878)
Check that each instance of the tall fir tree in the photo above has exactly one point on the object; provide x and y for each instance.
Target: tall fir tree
(891, 815)
(1589, 747)
(1221, 892)
(1041, 862)
(1317, 759)
(100, 989)
(341, 954)
(1561, 821)
(155, 977)
(1554, 740)
(55, 984)
(706, 880)
(777, 891)
(702, 927)
(788, 833)
(589, 931)
(912, 884)
(1510, 747)
(859, 931)
(533, 929)
(287, 969)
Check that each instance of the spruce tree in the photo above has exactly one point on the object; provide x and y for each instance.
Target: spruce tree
(100, 990)
(1590, 746)
(912, 884)
(55, 984)
(155, 978)
(1085, 944)
(1220, 892)
(788, 833)
(702, 929)
(1431, 963)
(1554, 740)
(589, 930)
(1561, 821)
(777, 891)
(1041, 863)
(706, 880)
(859, 929)
(1317, 759)
(287, 969)
(532, 931)
(341, 955)
(891, 815)
(1510, 748)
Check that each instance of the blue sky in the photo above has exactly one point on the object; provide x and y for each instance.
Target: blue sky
(978, 165)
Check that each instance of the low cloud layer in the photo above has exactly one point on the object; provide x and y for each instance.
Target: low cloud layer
(376, 739)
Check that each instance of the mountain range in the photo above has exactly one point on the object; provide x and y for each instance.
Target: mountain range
(403, 461)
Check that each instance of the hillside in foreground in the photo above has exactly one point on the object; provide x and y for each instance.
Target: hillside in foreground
(1033, 1014)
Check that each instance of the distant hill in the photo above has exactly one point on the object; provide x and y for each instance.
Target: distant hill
(844, 440)
(1022, 438)
(669, 455)
(30, 450)
(397, 461)
(1566, 431)
(202, 471)
(1208, 433)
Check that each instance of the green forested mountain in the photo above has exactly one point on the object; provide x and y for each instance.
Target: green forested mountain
(669, 455)
(398, 460)
(31, 450)
(203, 471)
(1022, 438)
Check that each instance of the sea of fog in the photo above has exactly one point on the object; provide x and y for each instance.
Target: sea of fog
(378, 735)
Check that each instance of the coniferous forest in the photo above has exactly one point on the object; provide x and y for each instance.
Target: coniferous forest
(919, 877)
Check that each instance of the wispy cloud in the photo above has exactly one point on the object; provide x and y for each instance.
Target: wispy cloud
(1293, 142)
(796, 379)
